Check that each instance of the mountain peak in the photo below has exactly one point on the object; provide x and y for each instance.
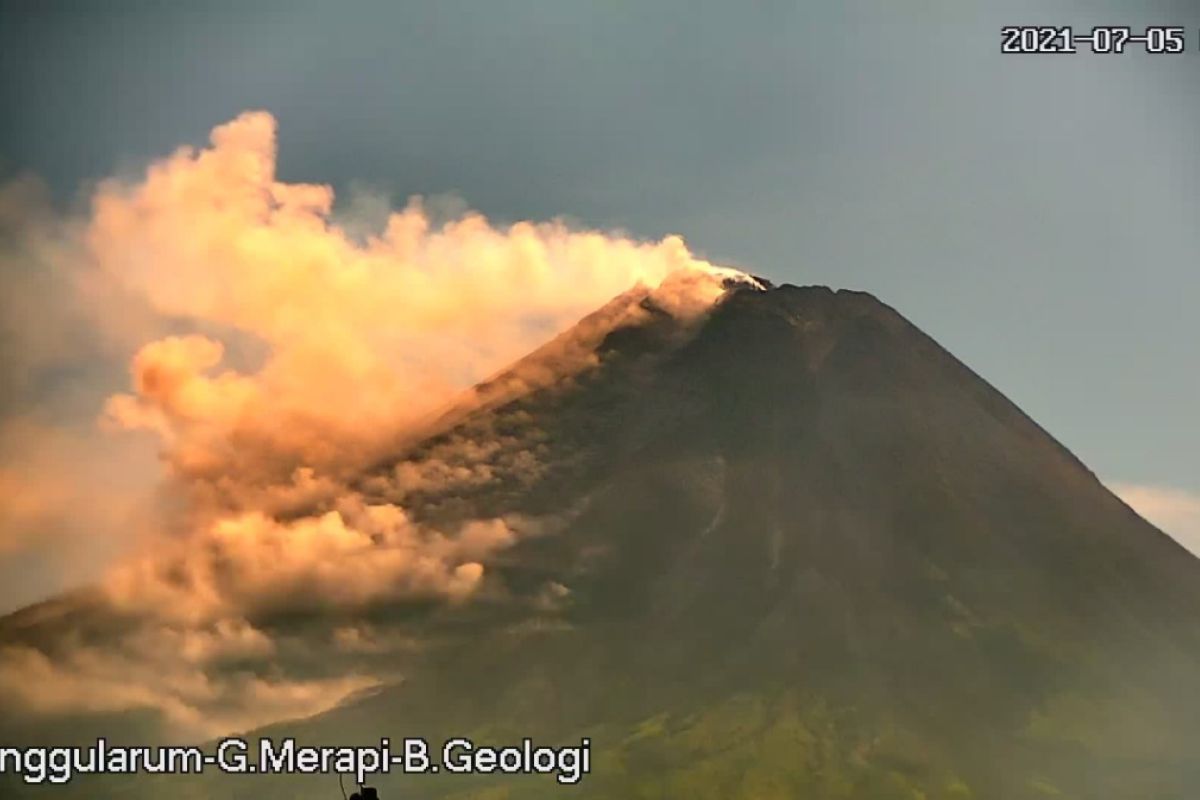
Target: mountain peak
(783, 516)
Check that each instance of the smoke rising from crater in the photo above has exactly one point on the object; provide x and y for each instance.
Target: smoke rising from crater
(271, 350)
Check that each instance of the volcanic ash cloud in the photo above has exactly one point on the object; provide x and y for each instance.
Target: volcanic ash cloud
(272, 352)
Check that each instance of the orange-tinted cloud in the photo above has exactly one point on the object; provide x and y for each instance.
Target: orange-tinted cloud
(360, 339)
(272, 351)
(360, 554)
(1175, 511)
(175, 672)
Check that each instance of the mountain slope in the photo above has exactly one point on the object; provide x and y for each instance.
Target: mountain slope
(795, 549)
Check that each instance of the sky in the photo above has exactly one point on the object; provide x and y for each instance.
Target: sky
(1034, 214)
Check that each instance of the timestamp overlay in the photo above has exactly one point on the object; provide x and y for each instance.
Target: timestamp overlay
(1100, 39)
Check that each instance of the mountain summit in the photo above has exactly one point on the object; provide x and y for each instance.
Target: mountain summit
(788, 548)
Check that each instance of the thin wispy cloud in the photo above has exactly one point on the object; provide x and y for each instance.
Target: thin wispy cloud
(1175, 511)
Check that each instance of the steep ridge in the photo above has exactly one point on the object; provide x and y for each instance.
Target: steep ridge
(792, 549)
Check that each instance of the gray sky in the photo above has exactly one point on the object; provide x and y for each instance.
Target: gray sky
(1036, 214)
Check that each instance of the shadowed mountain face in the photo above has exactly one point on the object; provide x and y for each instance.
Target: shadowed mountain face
(795, 549)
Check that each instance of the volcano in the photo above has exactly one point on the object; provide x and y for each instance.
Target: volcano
(791, 548)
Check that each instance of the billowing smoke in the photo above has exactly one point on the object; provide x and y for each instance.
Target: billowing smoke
(273, 350)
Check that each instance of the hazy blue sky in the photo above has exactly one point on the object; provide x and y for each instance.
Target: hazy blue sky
(1038, 215)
